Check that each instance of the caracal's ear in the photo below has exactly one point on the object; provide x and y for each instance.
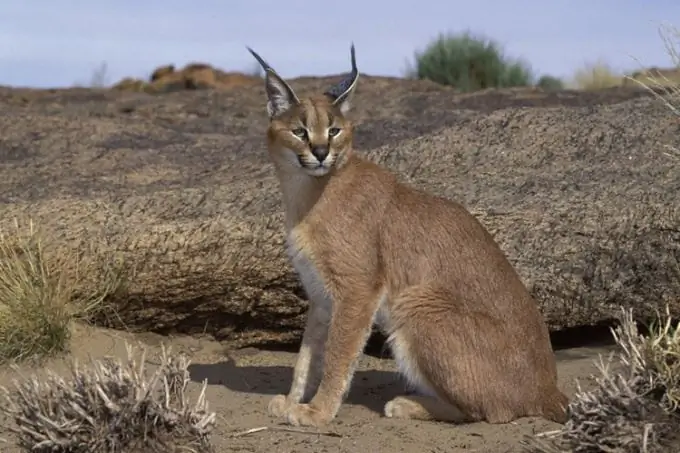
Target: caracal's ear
(280, 96)
(343, 91)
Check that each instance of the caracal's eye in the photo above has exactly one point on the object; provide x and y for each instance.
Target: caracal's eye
(333, 131)
(300, 132)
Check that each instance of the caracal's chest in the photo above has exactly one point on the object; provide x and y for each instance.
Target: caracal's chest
(314, 285)
(310, 277)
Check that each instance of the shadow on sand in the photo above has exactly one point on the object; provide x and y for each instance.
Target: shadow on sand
(370, 388)
(373, 388)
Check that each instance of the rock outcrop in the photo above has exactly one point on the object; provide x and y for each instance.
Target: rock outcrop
(193, 76)
(577, 188)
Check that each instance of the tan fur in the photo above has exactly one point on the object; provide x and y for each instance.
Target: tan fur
(463, 328)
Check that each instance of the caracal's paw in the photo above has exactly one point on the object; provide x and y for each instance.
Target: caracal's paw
(398, 408)
(278, 406)
(307, 415)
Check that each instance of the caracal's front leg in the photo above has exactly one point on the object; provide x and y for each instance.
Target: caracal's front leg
(308, 367)
(349, 329)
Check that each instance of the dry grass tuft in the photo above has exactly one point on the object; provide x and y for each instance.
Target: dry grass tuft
(633, 408)
(665, 84)
(596, 76)
(111, 407)
(39, 300)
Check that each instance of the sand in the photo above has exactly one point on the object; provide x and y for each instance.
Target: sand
(241, 382)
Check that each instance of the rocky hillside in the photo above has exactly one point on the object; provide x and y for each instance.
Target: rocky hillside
(575, 186)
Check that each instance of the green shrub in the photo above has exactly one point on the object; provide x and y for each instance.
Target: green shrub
(548, 82)
(469, 63)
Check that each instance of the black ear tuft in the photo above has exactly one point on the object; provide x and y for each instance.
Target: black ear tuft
(280, 96)
(341, 93)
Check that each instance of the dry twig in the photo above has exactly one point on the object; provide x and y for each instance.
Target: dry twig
(285, 429)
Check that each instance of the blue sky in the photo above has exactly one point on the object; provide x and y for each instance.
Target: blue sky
(62, 42)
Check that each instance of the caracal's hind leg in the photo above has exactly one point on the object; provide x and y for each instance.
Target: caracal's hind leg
(424, 407)
(432, 340)
(420, 402)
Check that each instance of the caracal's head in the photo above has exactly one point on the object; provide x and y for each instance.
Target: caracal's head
(310, 135)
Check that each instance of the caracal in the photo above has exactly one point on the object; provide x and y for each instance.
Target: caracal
(463, 328)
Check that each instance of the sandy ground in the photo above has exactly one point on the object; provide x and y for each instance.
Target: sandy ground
(175, 185)
(241, 382)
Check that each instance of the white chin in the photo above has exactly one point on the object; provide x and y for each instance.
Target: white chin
(318, 171)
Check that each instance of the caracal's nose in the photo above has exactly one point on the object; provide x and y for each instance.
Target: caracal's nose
(320, 152)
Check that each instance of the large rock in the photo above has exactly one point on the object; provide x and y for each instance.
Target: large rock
(193, 76)
(576, 187)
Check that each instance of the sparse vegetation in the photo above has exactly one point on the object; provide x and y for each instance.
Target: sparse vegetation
(548, 82)
(469, 63)
(111, 407)
(39, 299)
(595, 76)
(100, 77)
(115, 406)
(665, 86)
(634, 406)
